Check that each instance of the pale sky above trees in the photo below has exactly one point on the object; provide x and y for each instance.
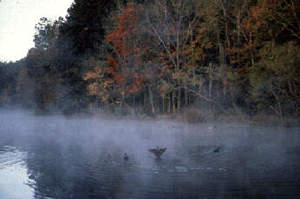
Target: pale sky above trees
(17, 21)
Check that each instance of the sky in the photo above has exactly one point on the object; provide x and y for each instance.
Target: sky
(17, 22)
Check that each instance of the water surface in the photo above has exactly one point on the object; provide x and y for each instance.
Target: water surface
(55, 158)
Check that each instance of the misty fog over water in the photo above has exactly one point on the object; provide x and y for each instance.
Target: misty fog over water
(58, 157)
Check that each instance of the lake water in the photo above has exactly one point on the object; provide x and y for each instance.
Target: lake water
(63, 158)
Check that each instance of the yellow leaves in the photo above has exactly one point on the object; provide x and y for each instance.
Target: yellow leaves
(105, 97)
(136, 75)
(133, 88)
(123, 93)
(164, 88)
(178, 75)
(93, 88)
(91, 75)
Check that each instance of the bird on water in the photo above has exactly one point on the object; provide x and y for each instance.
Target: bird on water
(217, 150)
(158, 151)
(126, 158)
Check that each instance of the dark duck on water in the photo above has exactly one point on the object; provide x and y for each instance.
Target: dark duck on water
(158, 151)
(126, 158)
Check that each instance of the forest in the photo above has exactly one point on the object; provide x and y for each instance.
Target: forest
(162, 57)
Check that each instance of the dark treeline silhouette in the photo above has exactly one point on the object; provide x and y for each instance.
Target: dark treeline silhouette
(163, 56)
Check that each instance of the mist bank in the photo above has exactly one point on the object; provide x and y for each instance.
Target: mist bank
(193, 116)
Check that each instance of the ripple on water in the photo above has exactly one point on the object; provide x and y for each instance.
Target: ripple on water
(13, 174)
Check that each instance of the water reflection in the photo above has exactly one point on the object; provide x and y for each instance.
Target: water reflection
(224, 163)
(13, 174)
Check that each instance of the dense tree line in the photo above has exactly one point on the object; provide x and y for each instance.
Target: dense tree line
(163, 56)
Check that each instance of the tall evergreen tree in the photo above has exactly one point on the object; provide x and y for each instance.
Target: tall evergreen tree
(85, 24)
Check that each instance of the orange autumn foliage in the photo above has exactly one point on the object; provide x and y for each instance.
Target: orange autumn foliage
(127, 49)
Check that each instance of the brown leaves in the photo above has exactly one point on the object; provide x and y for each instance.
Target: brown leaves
(125, 29)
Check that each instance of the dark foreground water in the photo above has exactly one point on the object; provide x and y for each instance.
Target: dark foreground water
(59, 158)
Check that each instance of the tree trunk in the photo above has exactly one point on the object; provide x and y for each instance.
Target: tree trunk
(163, 104)
(252, 54)
(238, 34)
(151, 99)
(145, 100)
(178, 99)
(174, 101)
(185, 95)
(221, 54)
(169, 103)
(210, 84)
